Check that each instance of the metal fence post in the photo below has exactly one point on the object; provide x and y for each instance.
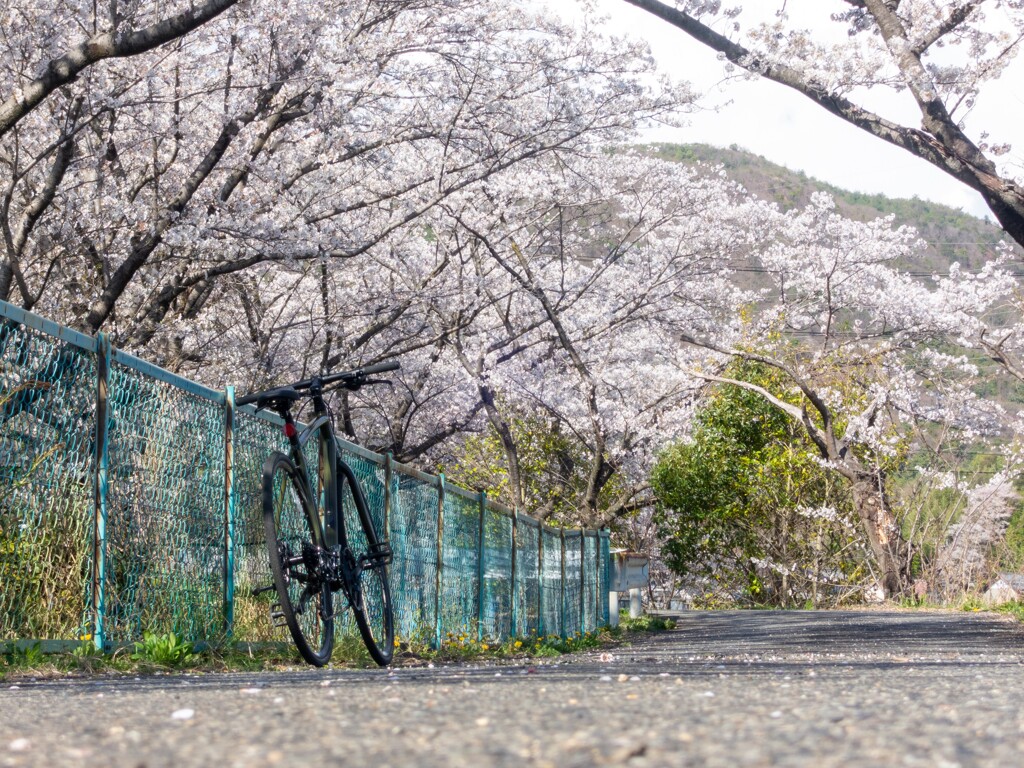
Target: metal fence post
(583, 578)
(229, 511)
(602, 583)
(388, 472)
(440, 560)
(604, 558)
(101, 479)
(480, 550)
(540, 580)
(563, 632)
(512, 579)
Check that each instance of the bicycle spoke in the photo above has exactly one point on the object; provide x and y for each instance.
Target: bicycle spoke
(292, 539)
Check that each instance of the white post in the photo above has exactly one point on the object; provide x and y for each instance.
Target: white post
(635, 608)
(613, 609)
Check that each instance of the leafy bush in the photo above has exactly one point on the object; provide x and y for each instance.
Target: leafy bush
(747, 511)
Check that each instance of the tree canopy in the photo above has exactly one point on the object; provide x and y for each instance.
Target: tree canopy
(940, 54)
(257, 192)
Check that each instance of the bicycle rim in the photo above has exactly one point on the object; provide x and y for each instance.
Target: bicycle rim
(374, 614)
(371, 595)
(292, 529)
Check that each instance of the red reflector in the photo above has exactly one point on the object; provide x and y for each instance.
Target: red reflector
(290, 430)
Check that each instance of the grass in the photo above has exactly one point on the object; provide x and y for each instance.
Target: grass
(645, 623)
(974, 604)
(167, 653)
(1013, 608)
(155, 655)
(463, 647)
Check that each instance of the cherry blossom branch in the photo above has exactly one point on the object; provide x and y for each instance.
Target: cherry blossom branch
(941, 143)
(66, 68)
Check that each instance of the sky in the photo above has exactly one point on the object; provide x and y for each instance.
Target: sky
(783, 126)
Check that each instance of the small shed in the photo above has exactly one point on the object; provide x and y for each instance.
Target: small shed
(1006, 588)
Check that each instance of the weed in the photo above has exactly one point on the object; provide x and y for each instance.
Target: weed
(248, 657)
(26, 656)
(972, 604)
(351, 650)
(646, 623)
(165, 650)
(1013, 608)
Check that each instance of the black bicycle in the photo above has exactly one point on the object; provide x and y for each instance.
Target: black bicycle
(313, 553)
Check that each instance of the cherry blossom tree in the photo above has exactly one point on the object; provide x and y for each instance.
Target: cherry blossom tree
(866, 366)
(298, 188)
(940, 54)
(581, 279)
(288, 135)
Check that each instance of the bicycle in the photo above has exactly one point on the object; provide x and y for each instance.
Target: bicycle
(311, 561)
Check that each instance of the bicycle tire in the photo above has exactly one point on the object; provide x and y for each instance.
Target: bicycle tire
(294, 536)
(371, 594)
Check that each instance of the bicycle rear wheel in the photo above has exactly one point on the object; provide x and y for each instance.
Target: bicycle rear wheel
(371, 593)
(295, 545)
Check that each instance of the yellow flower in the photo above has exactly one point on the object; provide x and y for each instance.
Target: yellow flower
(519, 644)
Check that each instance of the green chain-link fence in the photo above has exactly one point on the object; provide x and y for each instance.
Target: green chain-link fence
(130, 502)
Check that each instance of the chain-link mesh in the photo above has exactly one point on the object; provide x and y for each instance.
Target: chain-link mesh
(174, 532)
(253, 441)
(496, 590)
(413, 528)
(591, 576)
(460, 573)
(47, 462)
(165, 522)
(527, 577)
(572, 586)
(604, 570)
(551, 582)
(370, 475)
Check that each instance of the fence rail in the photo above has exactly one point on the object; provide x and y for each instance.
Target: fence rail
(130, 502)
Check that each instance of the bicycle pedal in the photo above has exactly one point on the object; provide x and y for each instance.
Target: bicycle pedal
(256, 591)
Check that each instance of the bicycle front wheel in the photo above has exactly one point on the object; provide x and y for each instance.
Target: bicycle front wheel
(371, 593)
(374, 614)
(295, 545)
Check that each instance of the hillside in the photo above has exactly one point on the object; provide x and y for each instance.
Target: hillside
(952, 234)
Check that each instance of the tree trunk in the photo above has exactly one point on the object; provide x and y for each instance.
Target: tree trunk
(891, 551)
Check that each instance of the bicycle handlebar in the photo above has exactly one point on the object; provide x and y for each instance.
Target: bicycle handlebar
(391, 365)
(350, 379)
(239, 401)
(348, 376)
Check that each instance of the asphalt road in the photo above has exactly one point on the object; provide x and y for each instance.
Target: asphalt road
(723, 689)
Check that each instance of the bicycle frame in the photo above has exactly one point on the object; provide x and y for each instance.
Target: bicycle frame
(333, 525)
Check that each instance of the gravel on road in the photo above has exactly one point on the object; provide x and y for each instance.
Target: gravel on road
(732, 688)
